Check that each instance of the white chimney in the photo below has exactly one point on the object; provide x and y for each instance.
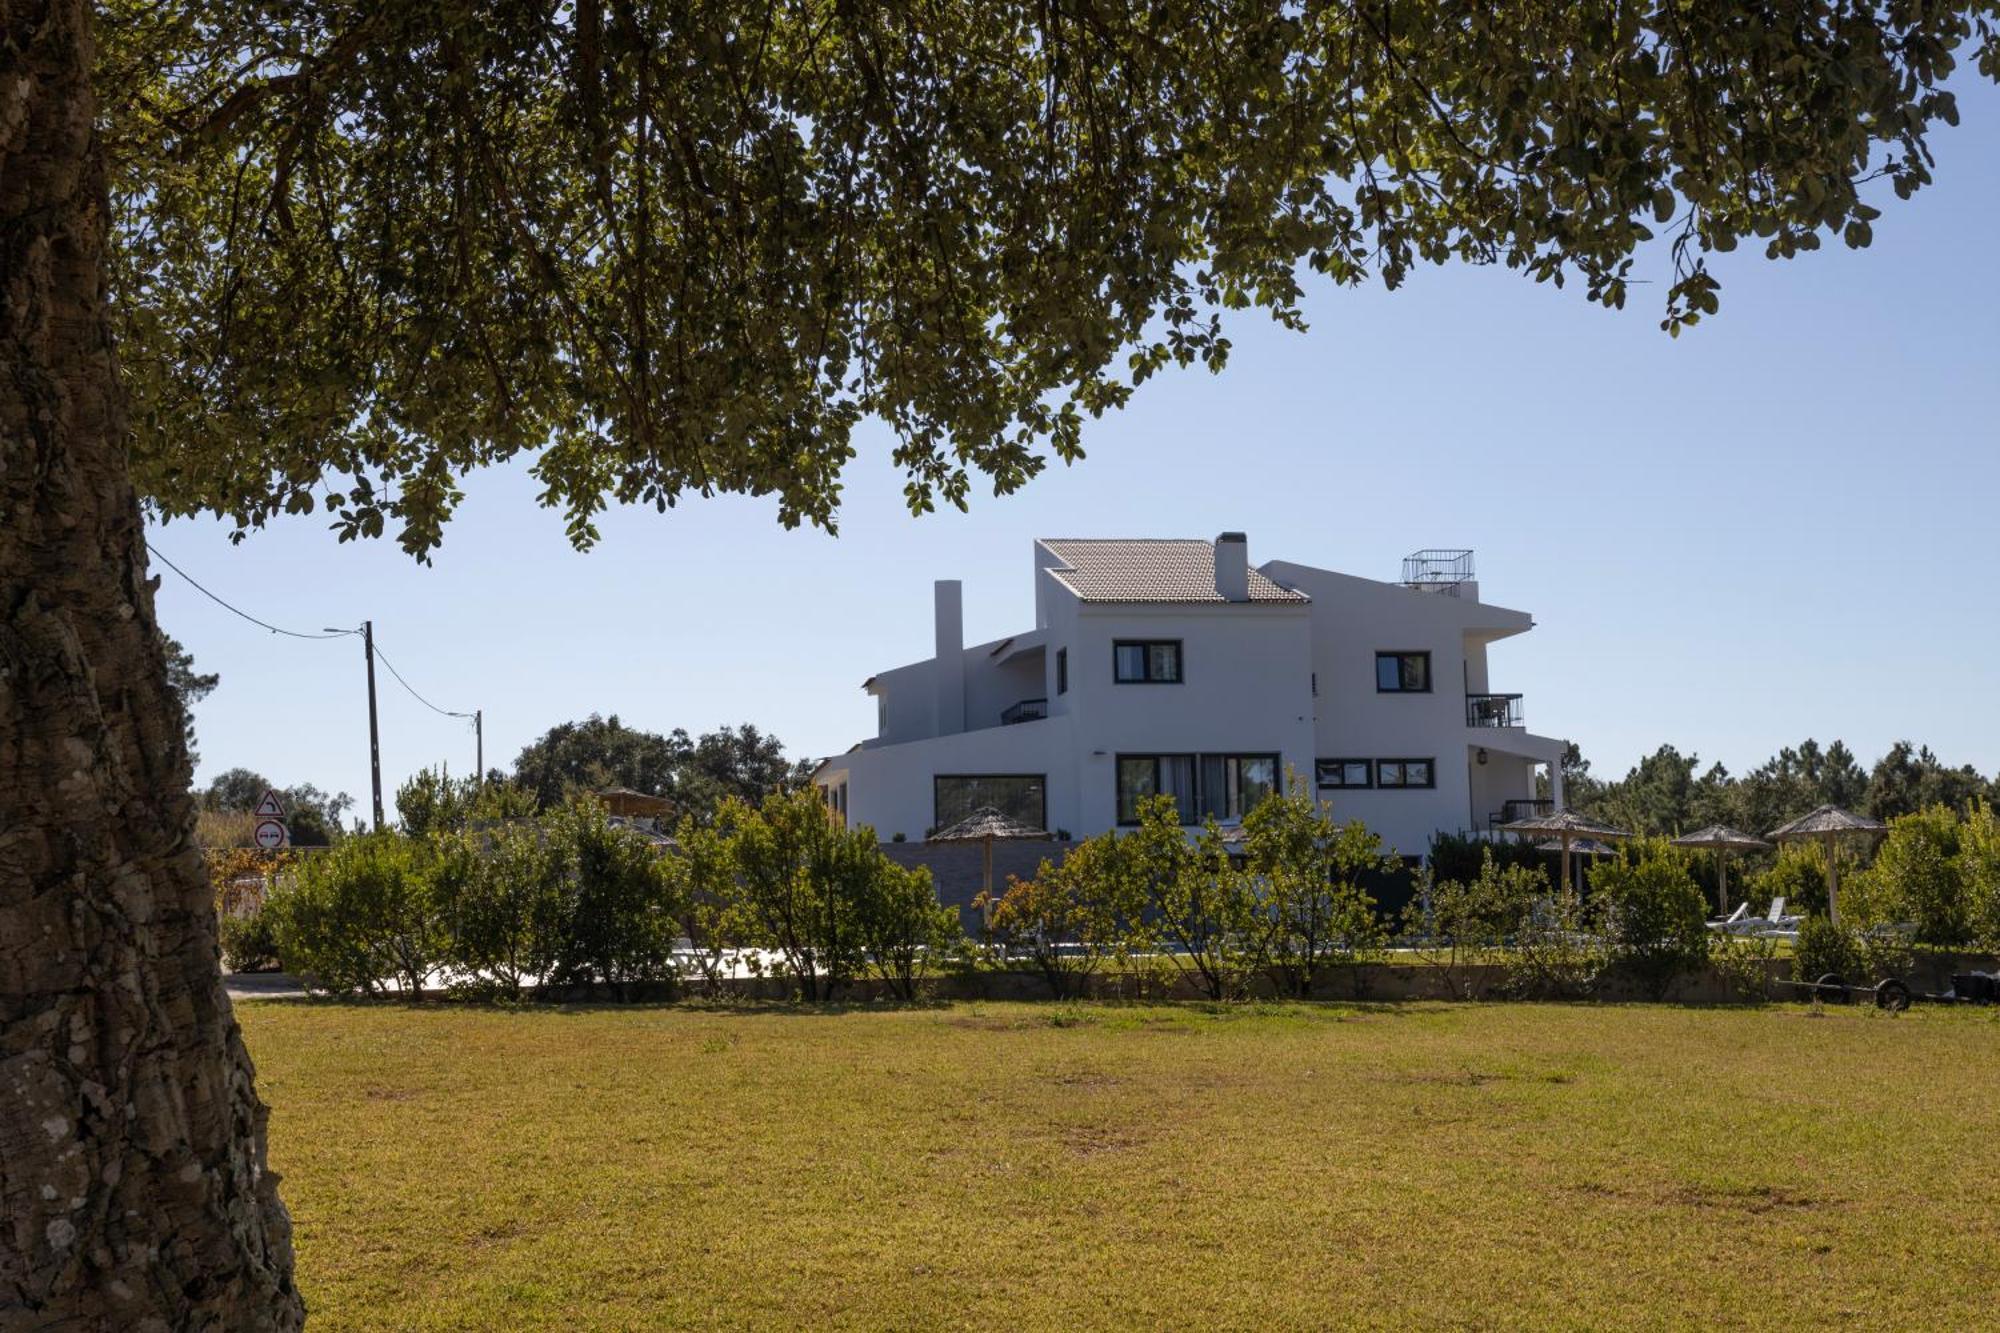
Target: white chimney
(950, 657)
(1232, 567)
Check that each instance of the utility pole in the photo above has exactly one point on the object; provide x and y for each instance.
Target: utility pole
(479, 746)
(374, 735)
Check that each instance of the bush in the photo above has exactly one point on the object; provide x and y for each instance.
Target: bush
(616, 907)
(1458, 858)
(1824, 948)
(1918, 879)
(1452, 924)
(360, 915)
(1072, 916)
(1558, 953)
(1307, 870)
(1742, 963)
(248, 944)
(509, 918)
(1979, 870)
(1652, 914)
(904, 929)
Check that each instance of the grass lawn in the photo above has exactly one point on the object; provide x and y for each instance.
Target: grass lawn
(1023, 1166)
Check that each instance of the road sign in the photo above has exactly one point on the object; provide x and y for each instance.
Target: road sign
(271, 835)
(270, 806)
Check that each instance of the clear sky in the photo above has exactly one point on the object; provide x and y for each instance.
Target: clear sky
(1784, 524)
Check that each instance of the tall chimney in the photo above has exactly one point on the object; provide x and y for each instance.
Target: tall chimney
(950, 657)
(1232, 567)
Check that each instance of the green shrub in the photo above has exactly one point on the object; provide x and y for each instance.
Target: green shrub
(1979, 870)
(1824, 948)
(618, 908)
(1918, 878)
(905, 930)
(361, 915)
(1459, 858)
(1453, 925)
(1652, 914)
(247, 942)
(1742, 963)
(1307, 869)
(508, 919)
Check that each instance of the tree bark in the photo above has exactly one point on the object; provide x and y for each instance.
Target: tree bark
(133, 1187)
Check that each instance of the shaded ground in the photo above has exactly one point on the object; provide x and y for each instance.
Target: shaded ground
(1026, 1166)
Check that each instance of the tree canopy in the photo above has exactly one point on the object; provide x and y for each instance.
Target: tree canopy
(363, 246)
(695, 773)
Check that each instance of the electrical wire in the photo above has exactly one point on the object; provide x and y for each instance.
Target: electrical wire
(296, 634)
(263, 624)
(384, 659)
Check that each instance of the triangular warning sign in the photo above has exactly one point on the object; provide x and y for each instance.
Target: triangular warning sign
(269, 806)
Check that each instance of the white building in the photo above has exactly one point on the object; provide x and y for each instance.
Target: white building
(1174, 667)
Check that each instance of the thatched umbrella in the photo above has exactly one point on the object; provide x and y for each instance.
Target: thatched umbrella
(1827, 824)
(1722, 840)
(1567, 827)
(987, 825)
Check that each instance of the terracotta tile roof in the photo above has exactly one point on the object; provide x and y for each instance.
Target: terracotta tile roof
(1149, 570)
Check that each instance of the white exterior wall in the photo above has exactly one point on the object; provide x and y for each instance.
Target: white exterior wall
(1352, 620)
(1245, 689)
(1248, 672)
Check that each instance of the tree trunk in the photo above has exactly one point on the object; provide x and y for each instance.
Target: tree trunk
(133, 1190)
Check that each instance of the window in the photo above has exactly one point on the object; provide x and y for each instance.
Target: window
(1144, 775)
(1021, 796)
(1226, 786)
(1062, 671)
(1146, 661)
(1403, 673)
(1233, 783)
(1406, 773)
(1344, 772)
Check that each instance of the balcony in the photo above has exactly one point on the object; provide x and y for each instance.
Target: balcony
(1510, 811)
(1446, 572)
(1493, 710)
(1027, 710)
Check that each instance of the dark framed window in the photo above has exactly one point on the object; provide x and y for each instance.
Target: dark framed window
(1021, 796)
(1344, 772)
(1406, 772)
(1403, 673)
(1144, 775)
(1062, 671)
(1146, 661)
(1231, 784)
(1226, 786)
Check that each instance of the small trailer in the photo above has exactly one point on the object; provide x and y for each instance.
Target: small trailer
(1895, 995)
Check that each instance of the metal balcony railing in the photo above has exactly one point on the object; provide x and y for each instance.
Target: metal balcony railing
(1510, 811)
(1027, 710)
(1493, 710)
(1439, 570)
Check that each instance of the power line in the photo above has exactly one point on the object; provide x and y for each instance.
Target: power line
(263, 624)
(407, 686)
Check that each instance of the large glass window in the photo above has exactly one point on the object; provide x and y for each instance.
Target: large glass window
(1233, 783)
(1019, 796)
(1226, 786)
(1406, 773)
(1144, 775)
(1403, 673)
(1345, 772)
(1146, 661)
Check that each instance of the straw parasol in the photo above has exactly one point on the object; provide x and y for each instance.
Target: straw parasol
(1722, 840)
(1567, 827)
(1827, 824)
(987, 825)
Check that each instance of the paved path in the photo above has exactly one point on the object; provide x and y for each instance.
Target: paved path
(262, 985)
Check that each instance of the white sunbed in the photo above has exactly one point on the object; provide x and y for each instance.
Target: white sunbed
(1771, 923)
(1733, 920)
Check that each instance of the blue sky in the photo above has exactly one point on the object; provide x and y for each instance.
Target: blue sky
(1778, 526)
